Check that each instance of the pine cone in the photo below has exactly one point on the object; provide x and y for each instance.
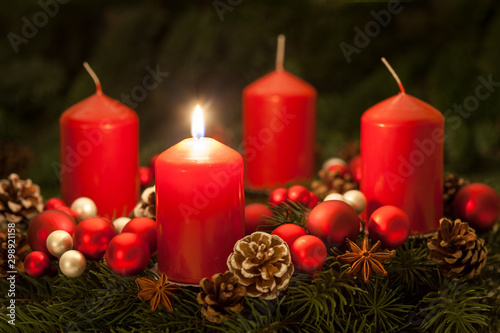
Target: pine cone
(22, 249)
(349, 151)
(333, 182)
(263, 263)
(147, 206)
(220, 296)
(457, 249)
(451, 185)
(20, 201)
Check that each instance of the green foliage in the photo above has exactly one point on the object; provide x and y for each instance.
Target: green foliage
(411, 268)
(286, 212)
(318, 299)
(457, 307)
(382, 307)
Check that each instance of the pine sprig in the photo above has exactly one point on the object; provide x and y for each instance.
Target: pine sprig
(411, 268)
(317, 298)
(381, 306)
(286, 212)
(457, 307)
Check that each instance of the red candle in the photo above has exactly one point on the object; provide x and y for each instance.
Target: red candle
(402, 159)
(99, 153)
(279, 112)
(199, 206)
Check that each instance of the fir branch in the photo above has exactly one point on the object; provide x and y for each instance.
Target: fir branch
(286, 212)
(382, 306)
(457, 307)
(316, 298)
(259, 316)
(411, 268)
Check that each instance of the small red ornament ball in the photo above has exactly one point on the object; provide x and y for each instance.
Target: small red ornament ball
(67, 210)
(332, 221)
(299, 194)
(478, 204)
(53, 203)
(91, 237)
(308, 253)
(340, 169)
(145, 175)
(37, 264)
(44, 224)
(289, 232)
(314, 200)
(390, 225)
(127, 254)
(355, 168)
(255, 216)
(278, 196)
(145, 228)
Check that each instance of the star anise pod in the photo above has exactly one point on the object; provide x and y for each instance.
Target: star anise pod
(158, 291)
(365, 260)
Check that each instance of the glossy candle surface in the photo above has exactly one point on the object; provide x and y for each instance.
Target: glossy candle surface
(200, 208)
(279, 114)
(99, 154)
(402, 159)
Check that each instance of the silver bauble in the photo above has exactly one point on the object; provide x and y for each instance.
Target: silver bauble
(58, 242)
(72, 263)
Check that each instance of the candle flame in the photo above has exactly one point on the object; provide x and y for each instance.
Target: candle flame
(198, 123)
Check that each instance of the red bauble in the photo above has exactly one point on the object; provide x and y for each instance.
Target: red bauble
(355, 168)
(53, 203)
(127, 254)
(67, 210)
(37, 264)
(145, 176)
(332, 221)
(308, 253)
(255, 216)
(42, 226)
(390, 225)
(478, 204)
(299, 194)
(91, 237)
(313, 201)
(278, 196)
(289, 232)
(145, 228)
(338, 168)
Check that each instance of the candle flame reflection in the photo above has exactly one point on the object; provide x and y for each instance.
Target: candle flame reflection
(198, 124)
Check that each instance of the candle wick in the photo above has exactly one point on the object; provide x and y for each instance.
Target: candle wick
(280, 52)
(396, 77)
(93, 76)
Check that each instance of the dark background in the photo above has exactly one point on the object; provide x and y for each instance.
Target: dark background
(439, 49)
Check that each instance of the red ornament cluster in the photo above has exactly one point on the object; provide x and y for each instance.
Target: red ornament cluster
(297, 193)
(94, 237)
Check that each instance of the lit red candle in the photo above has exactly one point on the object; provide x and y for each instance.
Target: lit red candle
(199, 206)
(402, 158)
(279, 114)
(99, 153)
